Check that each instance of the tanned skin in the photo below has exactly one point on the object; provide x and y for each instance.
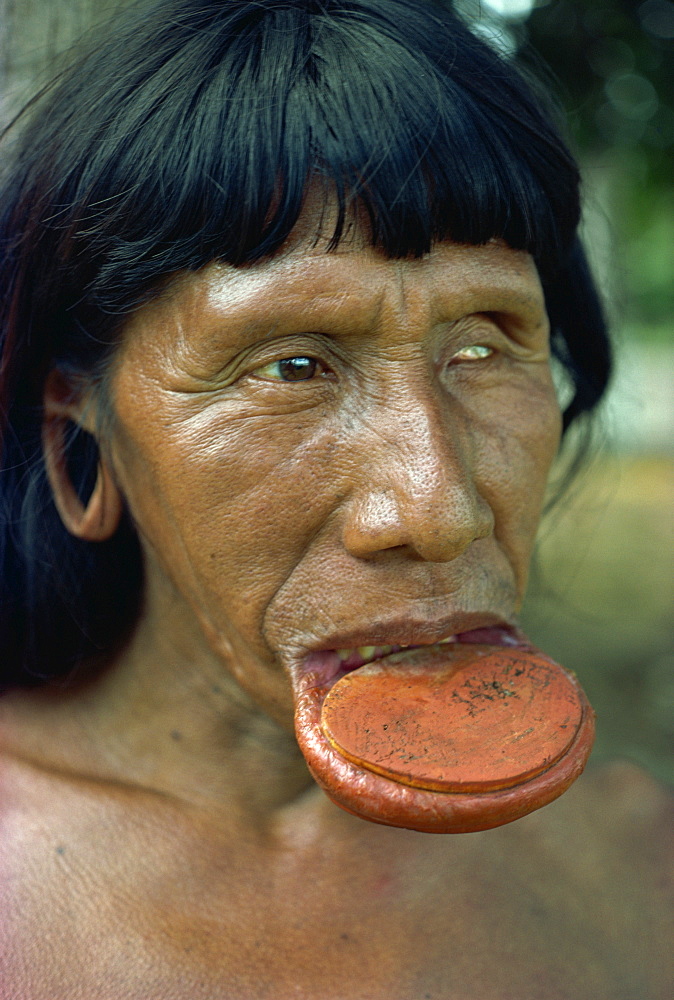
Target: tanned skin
(161, 835)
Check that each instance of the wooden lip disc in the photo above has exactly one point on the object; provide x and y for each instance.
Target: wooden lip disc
(484, 718)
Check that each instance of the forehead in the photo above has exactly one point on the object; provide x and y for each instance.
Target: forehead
(452, 279)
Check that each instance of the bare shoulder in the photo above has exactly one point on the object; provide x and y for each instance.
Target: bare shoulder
(618, 822)
(632, 807)
(589, 881)
(70, 885)
(628, 821)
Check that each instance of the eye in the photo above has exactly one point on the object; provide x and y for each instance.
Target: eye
(290, 370)
(474, 352)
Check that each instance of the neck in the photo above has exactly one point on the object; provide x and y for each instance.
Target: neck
(166, 714)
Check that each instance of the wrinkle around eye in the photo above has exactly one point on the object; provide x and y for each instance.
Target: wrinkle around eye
(506, 333)
(254, 365)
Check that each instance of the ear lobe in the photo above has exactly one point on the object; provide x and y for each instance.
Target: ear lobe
(97, 518)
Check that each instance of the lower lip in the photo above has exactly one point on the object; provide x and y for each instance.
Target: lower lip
(453, 737)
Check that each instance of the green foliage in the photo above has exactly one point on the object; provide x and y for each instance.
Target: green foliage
(614, 60)
(612, 65)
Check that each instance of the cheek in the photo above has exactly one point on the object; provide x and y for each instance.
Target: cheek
(229, 506)
(514, 453)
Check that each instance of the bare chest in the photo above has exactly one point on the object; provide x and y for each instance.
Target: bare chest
(79, 931)
(109, 901)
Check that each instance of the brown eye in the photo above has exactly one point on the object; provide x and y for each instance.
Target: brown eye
(289, 370)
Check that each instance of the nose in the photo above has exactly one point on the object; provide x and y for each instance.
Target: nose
(416, 492)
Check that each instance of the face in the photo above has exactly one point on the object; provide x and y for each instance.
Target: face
(337, 450)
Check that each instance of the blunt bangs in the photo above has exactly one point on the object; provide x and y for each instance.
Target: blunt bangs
(205, 148)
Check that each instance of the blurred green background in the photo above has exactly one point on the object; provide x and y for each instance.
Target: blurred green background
(602, 593)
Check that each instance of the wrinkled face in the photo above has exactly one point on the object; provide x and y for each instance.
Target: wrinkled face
(337, 450)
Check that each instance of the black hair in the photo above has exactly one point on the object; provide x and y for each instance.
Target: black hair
(188, 132)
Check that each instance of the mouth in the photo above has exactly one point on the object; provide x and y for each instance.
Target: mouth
(324, 667)
(441, 733)
(353, 659)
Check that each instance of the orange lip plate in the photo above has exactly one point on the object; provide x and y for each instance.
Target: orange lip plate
(483, 720)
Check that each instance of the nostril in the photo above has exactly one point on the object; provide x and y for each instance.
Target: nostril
(430, 531)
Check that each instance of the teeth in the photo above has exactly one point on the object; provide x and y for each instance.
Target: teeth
(367, 652)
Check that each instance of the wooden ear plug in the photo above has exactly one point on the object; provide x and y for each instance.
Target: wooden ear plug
(450, 739)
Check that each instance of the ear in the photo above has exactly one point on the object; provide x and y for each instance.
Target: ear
(98, 518)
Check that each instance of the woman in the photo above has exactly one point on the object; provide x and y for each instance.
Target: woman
(281, 284)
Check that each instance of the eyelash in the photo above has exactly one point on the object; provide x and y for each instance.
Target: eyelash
(311, 363)
(480, 352)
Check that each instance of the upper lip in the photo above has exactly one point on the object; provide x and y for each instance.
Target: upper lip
(410, 631)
